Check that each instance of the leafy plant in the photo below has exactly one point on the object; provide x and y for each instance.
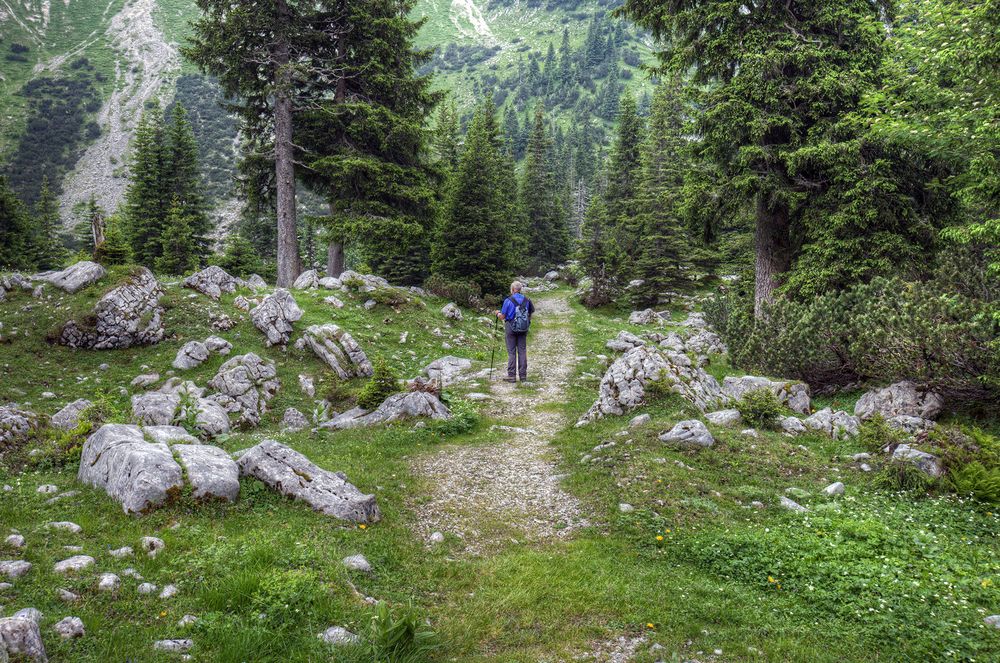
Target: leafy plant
(382, 384)
(399, 638)
(876, 434)
(393, 297)
(981, 483)
(903, 476)
(286, 596)
(760, 408)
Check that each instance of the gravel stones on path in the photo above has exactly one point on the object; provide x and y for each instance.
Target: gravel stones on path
(515, 482)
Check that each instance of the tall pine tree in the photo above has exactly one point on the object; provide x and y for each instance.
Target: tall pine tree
(146, 203)
(540, 201)
(474, 231)
(179, 253)
(184, 183)
(15, 230)
(48, 246)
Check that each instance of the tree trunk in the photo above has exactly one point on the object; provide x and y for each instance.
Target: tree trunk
(771, 244)
(288, 244)
(335, 259)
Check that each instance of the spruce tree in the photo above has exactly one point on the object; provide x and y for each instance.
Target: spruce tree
(472, 235)
(48, 247)
(15, 230)
(595, 248)
(239, 257)
(446, 141)
(114, 248)
(663, 252)
(184, 185)
(179, 254)
(544, 213)
(146, 201)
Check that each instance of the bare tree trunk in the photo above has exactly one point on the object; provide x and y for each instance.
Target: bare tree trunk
(335, 259)
(97, 229)
(288, 244)
(772, 259)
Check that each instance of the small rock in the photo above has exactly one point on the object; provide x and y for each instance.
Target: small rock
(640, 420)
(74, 564)
(69, 627)
(861, 456)
(452, 312)
(338, 635)
(625, 507)
(21, 638)
(151, 545)
(31, 614)
(169, 592)
(689, 433)
(66, 526)
(14, 568)
(144, 380)
(836, 488)
(187, 620)
(750, 432)
(293, 420)
(191, 355)
(47, 488)
(121, 553)
(67, 596)
(109, 582)
(865, 467)
(992, 620)
(174, 646)
(218, 345)
(728, 418)
(791, 505)
(437, 537)
(15, 541)
(358, 563)
(131, 573)
(146, 588)
(307, 385)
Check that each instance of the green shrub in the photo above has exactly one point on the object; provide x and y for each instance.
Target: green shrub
(940, 332)
(760, 408)
(286, 596)
(977, 481)
(393, 297)
(382, 384)
(657, 388)
(903, 476)
(400, 637)
(875, 434)
(463, 293)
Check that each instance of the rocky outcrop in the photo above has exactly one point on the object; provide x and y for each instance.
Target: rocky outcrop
(15, 424)
(170, 404)
(705, 342)
(127, 315)
(338, 349)
(69, 417)
(12, 282)
(213, 281)
(794, 395)
(74, 278)
(688, 434)
(191, 355)
(447, 370)
(623, 386)
(902, 398)
(408, 405)
(256, 282)
(211, 472)
(646, 317)
(927, 463)
(135, 472)
(275, 315)
(137, 466)
(244, 385)
(624, 342)
(307, 280)
(351, 280)
(21, 638)
(292, 474)
(837, 424)
(218, 345)
(727, 418)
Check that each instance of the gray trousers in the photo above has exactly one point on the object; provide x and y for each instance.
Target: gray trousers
(517, 353)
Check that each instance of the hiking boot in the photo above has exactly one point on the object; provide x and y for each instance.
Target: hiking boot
(510, 379)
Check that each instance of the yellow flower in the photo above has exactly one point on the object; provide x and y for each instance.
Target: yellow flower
(650, 625)
(770, 579)
(986, 582)
(362, 526)
(659, 537)
(163, 614)
(667, 531)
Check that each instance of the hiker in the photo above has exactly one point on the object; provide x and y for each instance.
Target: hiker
(516, 313)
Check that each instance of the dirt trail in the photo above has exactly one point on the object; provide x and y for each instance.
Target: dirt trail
(146, 61)
(510, 491)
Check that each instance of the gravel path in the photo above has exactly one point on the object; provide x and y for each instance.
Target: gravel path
(510, 491)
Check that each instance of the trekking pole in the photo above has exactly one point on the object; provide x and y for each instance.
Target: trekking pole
(493, 354)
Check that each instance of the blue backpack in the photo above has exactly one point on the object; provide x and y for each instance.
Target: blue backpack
(522, 317)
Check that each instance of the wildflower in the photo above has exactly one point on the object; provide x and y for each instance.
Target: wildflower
(986, 583)
(770, 579)
(659, 537)
(362, 526)
(650, 625)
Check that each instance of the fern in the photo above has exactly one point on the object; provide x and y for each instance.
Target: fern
(977, 481)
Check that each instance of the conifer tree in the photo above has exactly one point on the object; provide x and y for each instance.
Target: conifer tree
(446, 136)
(146, 202)
(596, 246)
(663, 252)
(179, 253)
(48, 247)
(475, 224)
(114, 248)
(239, 257)
(15, 230)
(544, 213)
(184, 185)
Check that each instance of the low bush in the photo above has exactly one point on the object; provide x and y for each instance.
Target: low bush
(760, 408)
(400, 637)
(382, 384)
(903, 476)
(393, 297)
(463, 293)
(875, 434)
(941, 332)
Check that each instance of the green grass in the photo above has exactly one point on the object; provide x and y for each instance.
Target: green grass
(869, 576)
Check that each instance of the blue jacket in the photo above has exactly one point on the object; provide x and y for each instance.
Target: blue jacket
(508, 309)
